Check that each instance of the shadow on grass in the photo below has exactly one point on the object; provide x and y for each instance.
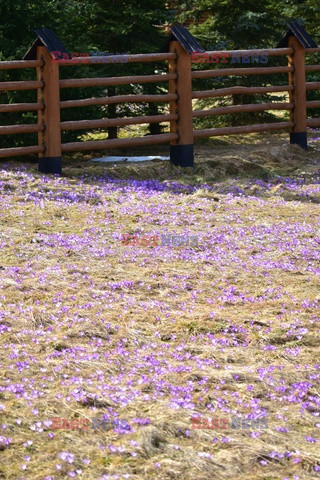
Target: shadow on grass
(221, 166)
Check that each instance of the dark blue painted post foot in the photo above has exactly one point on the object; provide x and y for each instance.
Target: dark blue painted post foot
(299, 139)
(50, 165)
(182, 155)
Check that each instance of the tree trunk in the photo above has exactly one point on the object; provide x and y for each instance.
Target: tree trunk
(154, 128)
(239, 100)
(112, 113)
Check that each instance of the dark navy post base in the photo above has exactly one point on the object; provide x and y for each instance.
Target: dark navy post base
(300, 139)
(50, 165)
(182, 155)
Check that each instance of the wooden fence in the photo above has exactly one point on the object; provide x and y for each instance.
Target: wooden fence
(180, 99)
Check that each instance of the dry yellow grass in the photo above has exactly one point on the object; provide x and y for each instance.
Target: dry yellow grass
(89, 326)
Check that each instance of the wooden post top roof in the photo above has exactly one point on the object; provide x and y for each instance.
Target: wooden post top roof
(184, 37)
(45, 38)
(296, 30)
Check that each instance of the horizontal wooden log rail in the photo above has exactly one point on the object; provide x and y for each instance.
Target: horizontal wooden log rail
(114, 59)
(116, 122)
(104, 81)
(23, 85)
(20, 151)
(313, 122)
(221, 92)
(312, 86)
(21, 107)
(85, 102)
(313, 104)
(271, 52)
(119, 142)
(215, 132)
(20, 64)
(28, 128)
(251, 107)
(312, 50)
(223, 72)
(312, 68)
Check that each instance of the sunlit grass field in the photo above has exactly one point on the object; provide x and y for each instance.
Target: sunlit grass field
(155, 336)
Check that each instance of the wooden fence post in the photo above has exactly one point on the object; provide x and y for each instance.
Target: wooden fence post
(181, 150)
(297, 78)
(49, 116)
